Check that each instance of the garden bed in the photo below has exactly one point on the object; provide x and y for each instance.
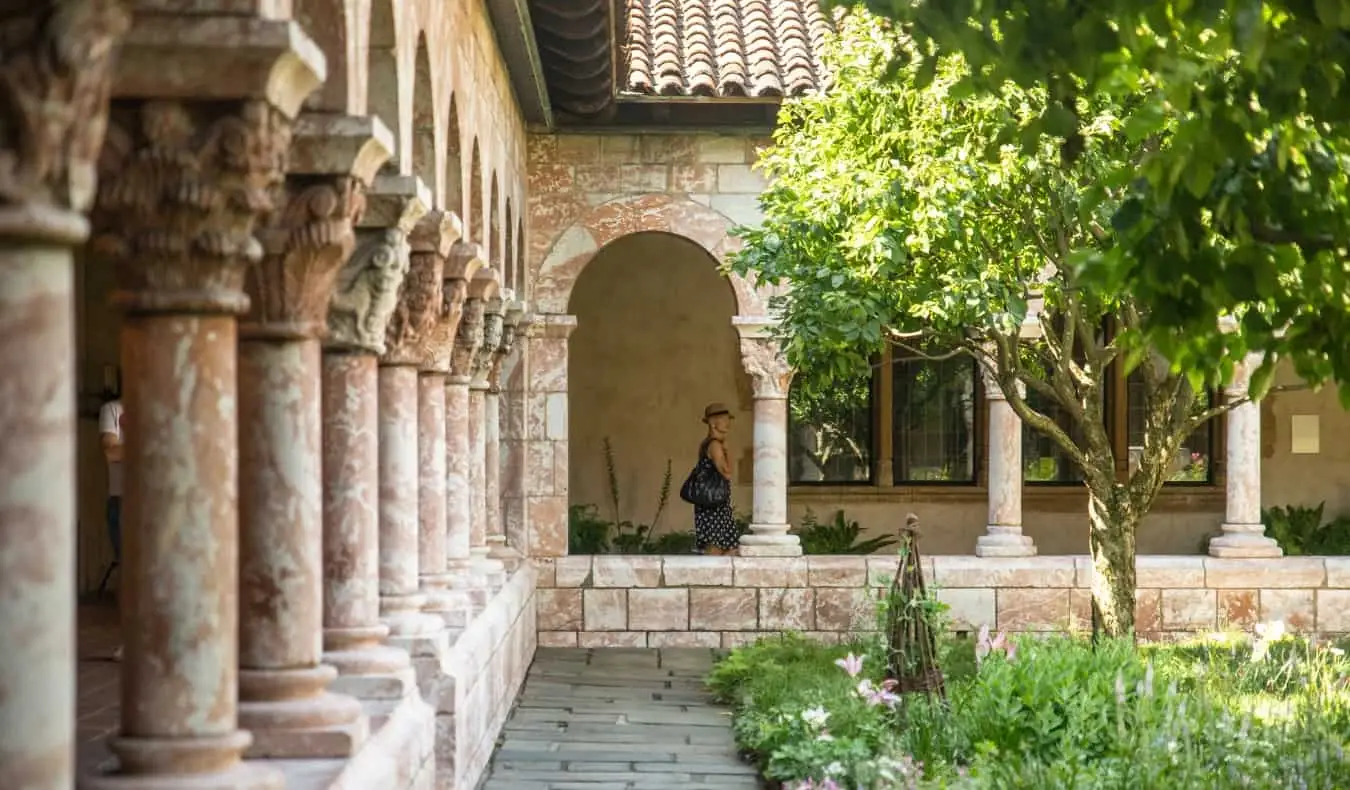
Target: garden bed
(1046, 712)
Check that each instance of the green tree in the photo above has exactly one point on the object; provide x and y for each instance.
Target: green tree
(1237, 206)
(895, 215)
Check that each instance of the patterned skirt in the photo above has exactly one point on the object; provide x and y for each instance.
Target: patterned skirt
(715, 527)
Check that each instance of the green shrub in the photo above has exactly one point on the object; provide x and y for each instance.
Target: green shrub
(1300, 530)
(840, 536)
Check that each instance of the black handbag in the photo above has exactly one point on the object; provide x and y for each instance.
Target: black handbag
(705, 486)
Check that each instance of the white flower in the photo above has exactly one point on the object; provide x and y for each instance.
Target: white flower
(816, 717)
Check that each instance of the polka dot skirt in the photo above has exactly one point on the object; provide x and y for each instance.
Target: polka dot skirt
(715, 527)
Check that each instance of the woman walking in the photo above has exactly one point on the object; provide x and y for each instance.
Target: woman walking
(715, 530)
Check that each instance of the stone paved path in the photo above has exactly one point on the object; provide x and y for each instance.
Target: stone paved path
(618, 719)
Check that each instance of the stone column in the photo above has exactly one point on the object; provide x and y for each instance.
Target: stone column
(1243, 533)
(1003, 535)
(769, 377)
(492, 570)
(183, 188)
(458, 494)
(436, 235)
(358, 316)
(58, 107)
(414, 318)
(282, 684)
(515, 374)
(498, 549)
(546, 453)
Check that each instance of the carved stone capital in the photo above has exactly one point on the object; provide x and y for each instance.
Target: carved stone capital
(511, 320)
(769, 371)
(304, 248)
(182, 189)
(493, 314)
(56, 62)
(468, 338)
(367, 291)
(420, 305)
(435, 236)
(1240, 385)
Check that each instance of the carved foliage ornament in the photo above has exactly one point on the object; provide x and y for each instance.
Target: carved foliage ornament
(468, 338)
(769, 371)
(304, 249)
(487, 352)
(181, 188)
(504, 349)
(367, 291)
(419, 308)
(55, 74)
(441, 339)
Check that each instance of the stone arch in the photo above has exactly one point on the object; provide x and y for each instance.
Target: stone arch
(331, 23)
(383, 73)
(424, 148)
(494, 230)
(509, 253)
(454, 162)
(476, 197)
(674, 214)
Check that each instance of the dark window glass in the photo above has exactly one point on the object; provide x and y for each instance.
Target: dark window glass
(1193, 462)
(934, 414)
(830, 433)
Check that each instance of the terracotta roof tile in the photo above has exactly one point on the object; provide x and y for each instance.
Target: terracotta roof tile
(723, 48)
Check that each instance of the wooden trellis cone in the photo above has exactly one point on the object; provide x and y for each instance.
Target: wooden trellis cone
(911, 642)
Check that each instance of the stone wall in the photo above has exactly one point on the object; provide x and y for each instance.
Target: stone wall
(635, 601)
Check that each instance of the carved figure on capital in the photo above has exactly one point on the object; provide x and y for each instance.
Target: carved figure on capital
(484, 361)
(468, 339)
(182, 188)
(420, 305)
(770, 373)
(56, 60)
(367, 291)
(305, 248)
(511, 327)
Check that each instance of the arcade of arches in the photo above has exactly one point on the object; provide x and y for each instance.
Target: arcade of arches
(372, 281)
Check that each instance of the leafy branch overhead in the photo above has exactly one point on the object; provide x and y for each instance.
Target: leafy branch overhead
(1237, 206)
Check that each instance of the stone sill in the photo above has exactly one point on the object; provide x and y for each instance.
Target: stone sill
(1043, 498)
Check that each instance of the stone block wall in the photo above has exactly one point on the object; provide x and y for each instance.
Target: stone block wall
(638, 601)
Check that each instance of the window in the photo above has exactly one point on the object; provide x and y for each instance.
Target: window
(933, 420)
(1043, 460)
(1193, 463)
(830, 433)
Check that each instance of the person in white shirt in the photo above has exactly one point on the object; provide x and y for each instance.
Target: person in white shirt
(110, 435)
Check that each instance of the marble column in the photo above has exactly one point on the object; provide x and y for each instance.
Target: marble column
(283, 697)
(498, 549)
(358, 316)
(515, 375)
(1003, 534)
(492, 570)
(1243, 533)
(435, 236)
(419, 307)
(60, 113)
(178, 209)
(769, 378)
(458, 494)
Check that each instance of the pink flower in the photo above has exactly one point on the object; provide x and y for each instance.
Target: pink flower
(851, 664)
(1000, 643)
(884, 695)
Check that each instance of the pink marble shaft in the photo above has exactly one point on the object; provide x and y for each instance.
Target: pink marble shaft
(769, 504)
(477, 476)
(1005, 465)
(281, 515)
(1242, 504)
(492, 469)
(351, 482)
(398, 497)
(431, 497)
(458, 497)
(180, 605)
(37, 518)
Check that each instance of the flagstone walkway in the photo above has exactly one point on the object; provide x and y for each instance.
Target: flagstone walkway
(618, 719)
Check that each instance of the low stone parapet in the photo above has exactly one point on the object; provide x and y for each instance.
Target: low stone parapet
(690, 601)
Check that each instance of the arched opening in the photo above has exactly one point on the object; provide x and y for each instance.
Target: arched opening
(654, 344)
(509, 258)
(382, 68)
(326, 21)
(454, 164)
(424, 162)
(494, 230)
(476, 197)
(521, 282)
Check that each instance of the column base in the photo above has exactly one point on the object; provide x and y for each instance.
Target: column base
(499, 550)
(443, 601)
(184, 763)
(372, 672)
(403, 614)
(490, 569)
(770, 540)
(1004, 541)
(328, 725)
(1244, 541)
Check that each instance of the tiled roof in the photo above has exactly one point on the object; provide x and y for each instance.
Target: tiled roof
(574, 47)
(722, 48)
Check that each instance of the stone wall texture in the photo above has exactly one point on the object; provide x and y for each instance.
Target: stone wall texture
(638, 601)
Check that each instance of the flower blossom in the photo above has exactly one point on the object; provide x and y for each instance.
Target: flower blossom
(816, 717)
(878, 695)
(851, 664)
(999, 644)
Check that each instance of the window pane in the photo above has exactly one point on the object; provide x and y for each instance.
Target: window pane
(1192, 462)
(1044, 461)
(830, 433)
(934, 413)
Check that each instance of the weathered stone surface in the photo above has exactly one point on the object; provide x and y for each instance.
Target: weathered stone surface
(1188, 609)
(658, 609)
(836, 571)
(626, 571)
(770, 571)
(839, 609)
(697, 571)
(605, 610)
(1170, 572)
(1238, 609)
(1284, 573)
(1004, 572)
(970, 608)
(1033, 609)
(559, 610)
(787, 609)
(723, 610)
(1297, 609)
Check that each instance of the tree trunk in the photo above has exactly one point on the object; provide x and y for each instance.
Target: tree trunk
(1113, 522)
